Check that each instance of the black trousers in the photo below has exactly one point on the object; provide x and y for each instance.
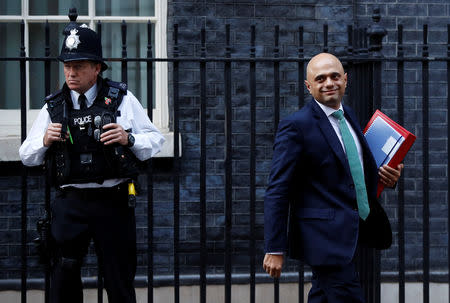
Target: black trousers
(103, 215)
(333, 284)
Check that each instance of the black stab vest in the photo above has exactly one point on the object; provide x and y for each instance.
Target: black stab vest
(87, 159)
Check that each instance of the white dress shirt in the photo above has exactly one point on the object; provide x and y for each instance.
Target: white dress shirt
(335, 123)
(148, 139)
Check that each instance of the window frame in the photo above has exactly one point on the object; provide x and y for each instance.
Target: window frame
(10, 118)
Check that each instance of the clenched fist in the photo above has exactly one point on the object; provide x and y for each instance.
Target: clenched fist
(53, 133)
(272, 265)
(115, 134)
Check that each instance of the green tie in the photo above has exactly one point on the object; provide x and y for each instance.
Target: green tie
(355, 166)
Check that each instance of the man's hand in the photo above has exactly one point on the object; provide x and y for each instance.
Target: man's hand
(389, 176)
(53, 133)
(115, 134)
(272, 265)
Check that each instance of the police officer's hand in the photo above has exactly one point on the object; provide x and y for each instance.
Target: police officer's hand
(115, 134)
(389, 176)
(272, 264)
(53, 133)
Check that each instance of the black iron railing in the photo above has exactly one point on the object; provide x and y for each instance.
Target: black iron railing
(363, 61)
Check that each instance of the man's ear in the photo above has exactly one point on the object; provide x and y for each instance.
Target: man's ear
(98, 68)
(308, 86)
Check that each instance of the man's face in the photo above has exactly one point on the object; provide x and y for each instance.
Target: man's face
(81, 75)
(326, 80)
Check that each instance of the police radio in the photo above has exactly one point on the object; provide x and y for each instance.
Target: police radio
(100, 121)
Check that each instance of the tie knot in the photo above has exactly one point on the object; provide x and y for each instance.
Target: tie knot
(82, 101)
(339, 114)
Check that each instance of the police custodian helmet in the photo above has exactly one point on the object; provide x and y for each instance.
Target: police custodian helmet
(82, 43)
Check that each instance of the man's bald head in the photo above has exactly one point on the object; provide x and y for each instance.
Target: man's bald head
(326, 79)
(321, 59)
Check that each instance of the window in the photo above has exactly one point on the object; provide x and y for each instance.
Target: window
(110, 13)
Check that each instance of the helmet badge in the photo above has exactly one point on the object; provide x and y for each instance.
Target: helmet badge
(73, 39)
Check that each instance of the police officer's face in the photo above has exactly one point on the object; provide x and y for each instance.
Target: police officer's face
(81, 75)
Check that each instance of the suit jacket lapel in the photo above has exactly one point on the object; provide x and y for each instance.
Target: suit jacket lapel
(330, 135)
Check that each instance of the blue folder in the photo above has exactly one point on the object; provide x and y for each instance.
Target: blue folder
(383, 141)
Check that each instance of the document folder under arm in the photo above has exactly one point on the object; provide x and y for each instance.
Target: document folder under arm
(389, 142)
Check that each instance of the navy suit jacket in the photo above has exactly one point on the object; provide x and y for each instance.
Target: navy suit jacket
(310, 208)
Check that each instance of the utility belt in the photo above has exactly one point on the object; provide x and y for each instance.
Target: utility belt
(95, 166)
(127, 190)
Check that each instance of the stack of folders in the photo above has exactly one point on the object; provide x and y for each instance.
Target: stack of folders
(388, 141)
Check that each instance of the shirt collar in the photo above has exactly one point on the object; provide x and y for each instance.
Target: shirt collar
(328, 110)
(90, 94)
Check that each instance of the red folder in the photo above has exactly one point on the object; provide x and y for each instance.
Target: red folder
(388, 141)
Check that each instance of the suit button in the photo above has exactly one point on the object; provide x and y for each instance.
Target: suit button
(352, 186)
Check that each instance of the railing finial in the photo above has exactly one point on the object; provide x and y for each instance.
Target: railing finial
(376, 33)
(73, 15)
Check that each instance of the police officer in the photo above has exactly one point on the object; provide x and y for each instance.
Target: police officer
(92, 133)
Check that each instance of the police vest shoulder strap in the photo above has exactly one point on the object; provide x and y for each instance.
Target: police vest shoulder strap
(116, 91)
(53, 96)
(116, 87)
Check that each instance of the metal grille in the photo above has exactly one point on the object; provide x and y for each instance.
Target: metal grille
(363, 61)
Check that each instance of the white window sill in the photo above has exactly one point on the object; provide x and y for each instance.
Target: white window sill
(9, 150)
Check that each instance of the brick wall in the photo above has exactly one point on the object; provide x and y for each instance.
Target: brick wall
(191, 16)
(289, 15)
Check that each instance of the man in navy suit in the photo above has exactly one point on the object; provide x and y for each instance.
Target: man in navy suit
(321, 201)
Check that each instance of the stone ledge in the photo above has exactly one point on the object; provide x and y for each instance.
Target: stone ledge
(163, 280)
(264, 293)
(9, 150)
(219, 279)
